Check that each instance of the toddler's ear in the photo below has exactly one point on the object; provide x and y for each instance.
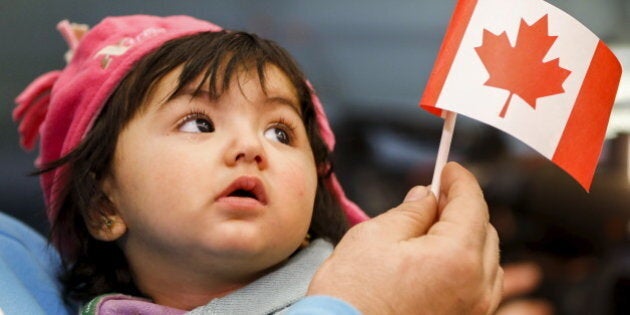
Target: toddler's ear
(107, 228)
(103, 221)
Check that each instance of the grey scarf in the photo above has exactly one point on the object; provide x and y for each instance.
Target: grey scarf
(276, 290)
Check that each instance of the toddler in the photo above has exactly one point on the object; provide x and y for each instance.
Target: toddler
(184, 167)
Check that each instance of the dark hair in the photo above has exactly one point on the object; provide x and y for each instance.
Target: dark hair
(93, 267)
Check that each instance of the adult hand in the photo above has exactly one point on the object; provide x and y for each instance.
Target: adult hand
(420, 258)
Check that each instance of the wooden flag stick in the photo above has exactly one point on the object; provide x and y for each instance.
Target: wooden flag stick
(442, 156)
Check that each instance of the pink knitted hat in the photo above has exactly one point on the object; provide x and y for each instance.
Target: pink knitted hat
(62, 105)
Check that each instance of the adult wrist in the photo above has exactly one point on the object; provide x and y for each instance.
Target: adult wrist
(321, 305)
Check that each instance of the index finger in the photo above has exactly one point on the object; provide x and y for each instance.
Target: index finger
(464, 212)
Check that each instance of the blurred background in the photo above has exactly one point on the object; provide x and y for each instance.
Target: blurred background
(369, 61)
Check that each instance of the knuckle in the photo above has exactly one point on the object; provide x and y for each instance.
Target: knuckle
(471, 268)
(484, 304)
(492, 232)
(500, 278)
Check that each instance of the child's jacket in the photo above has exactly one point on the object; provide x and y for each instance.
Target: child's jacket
(267, 295)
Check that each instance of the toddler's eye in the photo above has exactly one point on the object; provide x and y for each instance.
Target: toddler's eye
(196, 125)
(276, 133)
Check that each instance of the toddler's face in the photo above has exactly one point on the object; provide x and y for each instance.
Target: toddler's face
(223, 187)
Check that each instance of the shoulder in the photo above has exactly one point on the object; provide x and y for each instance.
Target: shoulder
(28, 271)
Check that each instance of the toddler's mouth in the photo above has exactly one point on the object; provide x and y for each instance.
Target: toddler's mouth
(246, 187)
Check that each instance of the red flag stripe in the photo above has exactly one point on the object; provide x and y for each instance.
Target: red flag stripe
(450, 45)
(581, 142)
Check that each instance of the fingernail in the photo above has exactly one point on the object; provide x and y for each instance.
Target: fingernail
(416, 193)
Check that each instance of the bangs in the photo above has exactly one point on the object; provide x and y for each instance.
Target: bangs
(219, 57)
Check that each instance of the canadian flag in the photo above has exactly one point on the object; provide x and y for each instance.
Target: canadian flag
(531, 70)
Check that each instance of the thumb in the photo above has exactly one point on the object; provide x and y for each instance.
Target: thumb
(410, 219)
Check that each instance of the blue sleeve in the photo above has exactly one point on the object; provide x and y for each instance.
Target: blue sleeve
(28, 271)
(321, 305)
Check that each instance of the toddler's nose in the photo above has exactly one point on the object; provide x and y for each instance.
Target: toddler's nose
(246, 149)
(249, 156)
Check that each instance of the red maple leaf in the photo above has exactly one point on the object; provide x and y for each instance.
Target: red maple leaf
(520, 69)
